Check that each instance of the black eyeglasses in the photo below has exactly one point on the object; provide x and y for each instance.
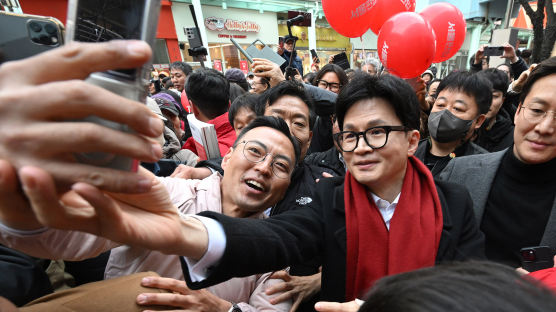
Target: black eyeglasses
(375, 137)
(256, 153)
(325, 84)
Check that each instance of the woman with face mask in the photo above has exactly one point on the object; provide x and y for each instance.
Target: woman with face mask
(460, 108)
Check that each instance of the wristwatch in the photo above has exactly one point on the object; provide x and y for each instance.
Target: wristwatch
(235, 308)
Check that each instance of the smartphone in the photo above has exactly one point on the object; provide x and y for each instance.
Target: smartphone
(341, 60)
(314, 55)
(536, 258)
(28, 35)
(281, 42)
(493, 51)
(105, 20)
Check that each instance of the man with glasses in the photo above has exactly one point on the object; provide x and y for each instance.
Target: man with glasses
(259, 85)
(386, 216)
(513, 190)
(258, 171)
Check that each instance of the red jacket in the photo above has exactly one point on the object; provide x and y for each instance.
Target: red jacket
(224, 133)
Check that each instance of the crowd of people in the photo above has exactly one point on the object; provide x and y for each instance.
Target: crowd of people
(340, 190)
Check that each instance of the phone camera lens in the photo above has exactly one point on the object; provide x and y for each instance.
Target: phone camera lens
(529, 255)
(36, 27)
(50, 29)
(44, 39)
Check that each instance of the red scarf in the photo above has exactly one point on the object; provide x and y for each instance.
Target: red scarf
(412, 242)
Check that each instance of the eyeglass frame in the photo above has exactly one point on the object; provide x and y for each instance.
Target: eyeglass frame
(541, 118)
(292, 166)
(329, 83)
(387, 129)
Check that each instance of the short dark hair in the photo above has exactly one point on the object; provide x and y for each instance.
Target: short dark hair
(473, 85)
(274, 123)
(433, 81)
(459, 287)
(498, 78)
(509, 67)
(396, 91)
(209, 91)
(310, 77)
(334, 69)
(246, 100)
(545, 68)
(292, 88)
(167, 82)
(184, 67)
(235, 91)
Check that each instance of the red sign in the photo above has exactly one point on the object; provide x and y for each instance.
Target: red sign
(244, 66)
(217, 64)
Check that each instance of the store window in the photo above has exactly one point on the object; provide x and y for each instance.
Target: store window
(227, 54)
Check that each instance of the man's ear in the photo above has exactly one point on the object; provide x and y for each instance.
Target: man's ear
(480, 121)
(226, 158)
(194, 109)
(413, 137)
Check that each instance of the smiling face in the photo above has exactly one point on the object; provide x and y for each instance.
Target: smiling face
(296, 114)
(381, 170)
(253, 187)
(535, 143)
(461, 105)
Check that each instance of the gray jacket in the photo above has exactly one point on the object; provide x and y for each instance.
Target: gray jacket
(477, 173)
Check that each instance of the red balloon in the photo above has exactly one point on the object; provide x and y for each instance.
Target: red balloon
(449, 27)
(350, 18)
(384, 9)
(406, 45)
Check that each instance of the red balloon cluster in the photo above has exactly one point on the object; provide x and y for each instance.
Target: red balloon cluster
(408, 43)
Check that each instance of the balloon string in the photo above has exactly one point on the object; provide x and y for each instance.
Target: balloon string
(363, 48)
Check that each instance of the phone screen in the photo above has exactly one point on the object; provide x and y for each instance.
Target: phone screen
(104, 20)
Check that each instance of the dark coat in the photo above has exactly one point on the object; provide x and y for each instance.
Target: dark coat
(255, 246)
(329, 161)
(466, 149)
(296, 61)
(499, 137)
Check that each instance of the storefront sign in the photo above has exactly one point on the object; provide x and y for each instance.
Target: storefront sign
(232, 36)
(220, 24)
(217, 64)
(243, 65)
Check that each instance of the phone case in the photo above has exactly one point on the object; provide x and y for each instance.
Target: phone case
(22, 40)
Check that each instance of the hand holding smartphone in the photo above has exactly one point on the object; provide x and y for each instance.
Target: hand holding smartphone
(104, 20)
(493, 51)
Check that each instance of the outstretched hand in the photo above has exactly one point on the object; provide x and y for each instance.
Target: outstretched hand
(147, 220)
(41, 106)
(181, 297)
